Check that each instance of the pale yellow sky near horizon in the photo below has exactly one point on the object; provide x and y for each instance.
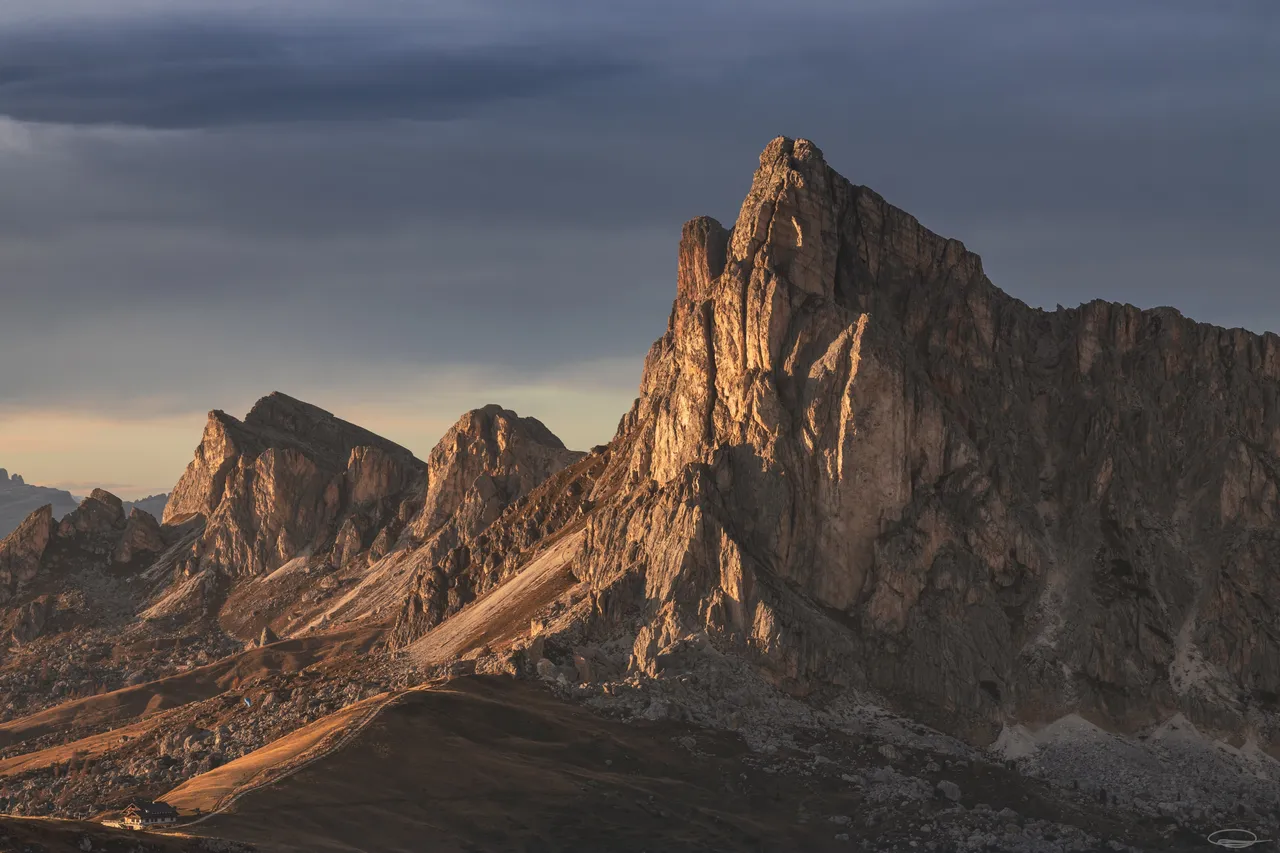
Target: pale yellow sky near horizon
(133, 457)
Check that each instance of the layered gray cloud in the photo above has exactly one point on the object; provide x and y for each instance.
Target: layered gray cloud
(184, 74)
(203, 202)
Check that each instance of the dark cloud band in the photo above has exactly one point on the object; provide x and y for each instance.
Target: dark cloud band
(203, 74)
(525, 216)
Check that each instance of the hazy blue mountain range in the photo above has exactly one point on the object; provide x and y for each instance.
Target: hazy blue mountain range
(153, 504)
(18, 499)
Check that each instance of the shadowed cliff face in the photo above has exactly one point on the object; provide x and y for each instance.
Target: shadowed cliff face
(44, 564)
(856, 461)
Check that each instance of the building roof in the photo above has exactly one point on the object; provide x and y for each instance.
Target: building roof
(149, 809)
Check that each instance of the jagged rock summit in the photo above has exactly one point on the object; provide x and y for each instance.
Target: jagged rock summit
(290, 479)
(855, 462)
(100, 514)
(488, 459)
(488, 462)
(38, 558)
(266, 638)
(856, 472)
(351, 520)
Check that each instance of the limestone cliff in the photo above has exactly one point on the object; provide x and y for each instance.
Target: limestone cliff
(488, 461)
(45, 558)
(856, 462)
(358, 521)
(292, 480)
(22, 550)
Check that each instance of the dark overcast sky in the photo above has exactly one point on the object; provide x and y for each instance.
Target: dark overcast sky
(400, 210)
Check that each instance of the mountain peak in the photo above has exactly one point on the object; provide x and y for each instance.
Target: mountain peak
(278, 418)
(100, 514)
(510, 454)
(292, 467)
(850, 414)
(493, 418)
(278, 408)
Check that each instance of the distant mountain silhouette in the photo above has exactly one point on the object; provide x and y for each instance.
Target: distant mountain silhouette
(18, 500)
(153, 504)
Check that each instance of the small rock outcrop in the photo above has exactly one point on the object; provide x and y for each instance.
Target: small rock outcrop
(100, 514)
(31, 619)
(21, 551)
(265, 638)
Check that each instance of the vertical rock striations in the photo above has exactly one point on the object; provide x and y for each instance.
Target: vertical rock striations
(94, 536)
(855, 461)
(292, 484)
(487, 462)
(289, 481)
(22, 550)
(488, 459)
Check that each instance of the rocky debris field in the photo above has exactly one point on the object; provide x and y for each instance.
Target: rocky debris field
(185, 742)
(1171, 773)
(907, 787)
(62, 668)
(870, 778)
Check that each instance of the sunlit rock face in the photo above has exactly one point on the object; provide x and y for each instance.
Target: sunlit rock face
(291, 480)
(855, 461)
(488, 461)
(21, 551)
